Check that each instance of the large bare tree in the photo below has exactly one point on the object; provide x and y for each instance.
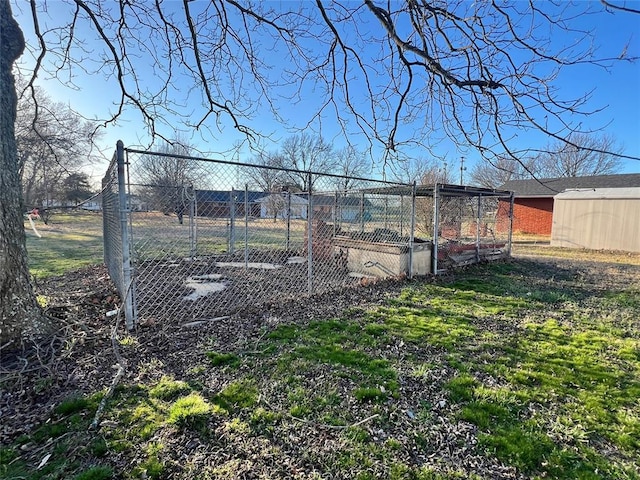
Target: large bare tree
(587, 154)
(495, 172)
(350, 164)
(395, 73)
(306, 153)
(268, 178)
(19, 312)
(168, 181)
(53, 142)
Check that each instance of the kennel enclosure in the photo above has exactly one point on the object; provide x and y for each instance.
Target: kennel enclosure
(191, 238)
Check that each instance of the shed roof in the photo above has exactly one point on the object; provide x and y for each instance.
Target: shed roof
(549, 187)
(445, 189)
(600, 194)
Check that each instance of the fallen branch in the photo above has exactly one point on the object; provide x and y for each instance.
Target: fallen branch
(336, 427)
(119, 374)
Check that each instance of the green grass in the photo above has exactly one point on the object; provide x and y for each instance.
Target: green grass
(541, 370)
(70, 241)
(75, 452)
(221, 359)
(574, 367)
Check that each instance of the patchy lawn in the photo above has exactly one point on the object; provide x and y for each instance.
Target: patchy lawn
(524, 369)
(69, 241)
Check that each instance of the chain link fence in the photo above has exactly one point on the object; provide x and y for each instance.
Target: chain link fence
(472, 225)
(115, 232)
(206, 238)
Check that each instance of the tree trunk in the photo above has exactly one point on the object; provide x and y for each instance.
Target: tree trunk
(19, 311)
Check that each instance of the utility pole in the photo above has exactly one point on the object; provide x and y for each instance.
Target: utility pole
(462, 169)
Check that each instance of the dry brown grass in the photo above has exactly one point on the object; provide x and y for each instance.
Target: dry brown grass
(577, 254)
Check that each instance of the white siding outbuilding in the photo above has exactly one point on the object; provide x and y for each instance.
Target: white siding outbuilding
(598, 219)
(275, 205)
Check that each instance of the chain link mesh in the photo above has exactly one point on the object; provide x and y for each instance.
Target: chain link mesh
(472, 227)
(210, 237)
(112, 236)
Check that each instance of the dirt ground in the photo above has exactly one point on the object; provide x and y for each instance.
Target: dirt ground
(80, 358)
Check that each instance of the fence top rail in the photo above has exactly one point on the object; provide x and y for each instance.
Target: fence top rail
(443, 188)
(266, 167)
(471, 191)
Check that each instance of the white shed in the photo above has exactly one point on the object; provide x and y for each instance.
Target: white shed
(276, 205)
(597, 218)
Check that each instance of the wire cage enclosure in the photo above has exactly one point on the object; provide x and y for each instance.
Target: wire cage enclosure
(189, 239)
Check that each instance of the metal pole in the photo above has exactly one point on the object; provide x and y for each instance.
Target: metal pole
(127, 277)
(386, 212)
(436, 226)
(478, 229)
(232, 219)
(195, 218)
(413, 228)
(309, 236)
(362, 212)
(192, 220)
(401, 215)
(335, 213)
(246, 226)
(509, 242)
(288, 194)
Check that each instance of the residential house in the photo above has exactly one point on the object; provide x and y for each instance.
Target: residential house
(276, 205)
(225, 203)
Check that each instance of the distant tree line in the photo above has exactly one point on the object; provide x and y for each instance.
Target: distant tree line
(303, 153)
(595, 155)
(54, 144)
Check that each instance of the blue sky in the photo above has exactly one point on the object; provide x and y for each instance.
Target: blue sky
(615, 96)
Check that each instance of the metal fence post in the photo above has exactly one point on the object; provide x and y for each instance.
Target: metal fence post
(386, 212)
(335, 213)
(402, 214)
(509, 241)
(413, 228)
(232, 222)
(127, 277)
(436, 226)
(478, 229)
(192, 223)
(288, 239)
(362, 212)
(246, 226)
(310, 235)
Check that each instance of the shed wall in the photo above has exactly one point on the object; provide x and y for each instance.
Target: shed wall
(609, 224)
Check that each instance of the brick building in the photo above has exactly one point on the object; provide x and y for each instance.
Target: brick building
(533, 198)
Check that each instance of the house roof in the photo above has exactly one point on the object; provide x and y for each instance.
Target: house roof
(548, 187)
(600, 194)
(221, 196)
